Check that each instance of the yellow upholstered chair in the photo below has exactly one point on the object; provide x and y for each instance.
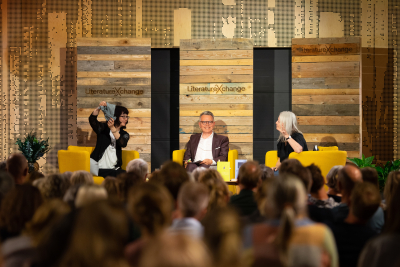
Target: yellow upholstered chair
(177, 156)
(77, 158)
(271, 158)
(325, 160)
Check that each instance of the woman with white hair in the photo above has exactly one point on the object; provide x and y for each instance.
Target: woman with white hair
(290, 138)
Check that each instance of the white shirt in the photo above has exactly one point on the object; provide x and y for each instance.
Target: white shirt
(188, 226)
(109, 158)
(204, 149)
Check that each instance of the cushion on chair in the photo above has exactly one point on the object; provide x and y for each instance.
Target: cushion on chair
(81, 148)
(73, 161)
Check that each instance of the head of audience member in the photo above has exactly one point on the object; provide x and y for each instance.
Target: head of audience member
(67, 175)
(17, 208)
(88, 194)
(370, 175)
(45, 217)
(249, 175)
(128, 181)
(155, 177)
(6, 183)
(34, 176)
(138, 166)
(392, 196)
(293, 166)
(286, 201)
(332, 180)
(206, 122)
(198, 172)
(81, 177)
(266, 173)
(70, 195)
(392, 184)
(17, 166)
(113, 187)
(98, 236)
(261, 194)
(348, 176)
(54, 186)
(173, 176)
(179, 250)
(150, 205)
(223, 237)
(193, 200)
(317, 186)
(217, 189)
(3, 166)
(365, 200)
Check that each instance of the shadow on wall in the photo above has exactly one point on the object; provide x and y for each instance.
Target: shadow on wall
(328, 141)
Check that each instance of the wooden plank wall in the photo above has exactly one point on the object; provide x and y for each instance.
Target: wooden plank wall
(326, 91)
(116, 70)
(217, 75)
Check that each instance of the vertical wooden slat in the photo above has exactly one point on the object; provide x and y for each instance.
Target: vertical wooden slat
(5, 111)
(139, 23)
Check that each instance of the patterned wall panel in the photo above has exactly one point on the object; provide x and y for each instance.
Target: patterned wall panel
(118, 71)
(217, 75)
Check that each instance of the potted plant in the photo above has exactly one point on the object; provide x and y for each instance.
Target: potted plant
(33, 149)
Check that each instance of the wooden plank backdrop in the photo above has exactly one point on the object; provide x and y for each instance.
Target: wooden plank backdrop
(326, 91)
(217, 75)
(116, 70)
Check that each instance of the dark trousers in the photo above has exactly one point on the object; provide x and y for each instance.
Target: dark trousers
(110, 172)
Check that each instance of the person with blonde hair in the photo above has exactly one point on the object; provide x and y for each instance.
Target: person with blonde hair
(290, 138)
(179, 250)
(81, 177)
(88, 194)
(289, 238)
(217, 188)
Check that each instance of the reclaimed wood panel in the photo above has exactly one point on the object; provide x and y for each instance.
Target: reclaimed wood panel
(118, 71)
(217, 75)
(326, 93)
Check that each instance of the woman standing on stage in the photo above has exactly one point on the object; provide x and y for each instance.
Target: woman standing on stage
(106, 158)
(290, 138)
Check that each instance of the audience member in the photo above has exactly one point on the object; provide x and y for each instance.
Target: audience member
(383, 250)
(54, 186)
(332, 183)
(3, 166)
(81, 177)
(98, 237)
(348, 177)
(266, 173)
(67, 176)
(217, 189)
(34, 176)
(175, 251)
(155, 177)
(352, 234)
(260, 197)
(318, 195)
(294, 167)
(150, 206)
(192, 205)
(289, 238)
(113, 187)
(198, 172)
(222, 235)
(248, 178)
(17, 208)
(6, 184)
(17, 166)
(370, 175)
(139, 166)
(128, 181)
(88, 194)
(70, 195)
(173, 176)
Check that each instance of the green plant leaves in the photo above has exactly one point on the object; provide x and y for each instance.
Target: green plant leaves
(33, 148)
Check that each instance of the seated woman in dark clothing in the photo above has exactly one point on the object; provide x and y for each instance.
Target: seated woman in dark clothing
(290, 138)
(106, 158)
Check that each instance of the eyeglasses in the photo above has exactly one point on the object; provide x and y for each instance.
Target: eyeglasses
(125, 117)
(206, 122)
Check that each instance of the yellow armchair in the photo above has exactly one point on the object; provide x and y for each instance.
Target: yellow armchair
(271, 158)
(177, 156)
(77, 158)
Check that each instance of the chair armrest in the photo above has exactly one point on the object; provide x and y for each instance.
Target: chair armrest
(73, 161)
(128, 155)
(271, 158)
(177, 156)
(232, 157)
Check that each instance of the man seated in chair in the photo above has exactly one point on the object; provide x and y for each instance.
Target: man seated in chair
(206, 148)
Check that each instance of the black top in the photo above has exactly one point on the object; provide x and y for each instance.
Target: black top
(244, 202)
(104, 140)
(284, 148)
